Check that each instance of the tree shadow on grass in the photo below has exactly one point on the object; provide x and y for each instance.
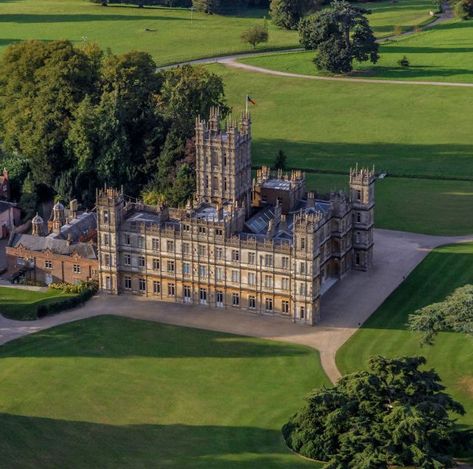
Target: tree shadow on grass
(413, 71)
(43, 442)
(116, 337)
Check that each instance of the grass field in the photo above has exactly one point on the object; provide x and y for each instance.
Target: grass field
(16, 303)
(385, 332)
(169, 34)
(114, 392)
(443, 53)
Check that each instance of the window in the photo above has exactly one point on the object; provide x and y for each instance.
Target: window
(219, 298)
(302, 268)
(251, 302)
(127, 283)
(171, 266)
(202, 230)
(285, 262)
(358, 217)
(219, 253)
(269, 304)
(170, 246)
(202, 270)
(141, 261)
(76, 268)
(106, 239)
(285, 306)
(186, 227)
(302, 312)
(186, 268)
(48, 264)
(219, 273)
(155, 244)
(302, 289)
(201, 250)
(155, 264)
(358, 195)
(357, 259)
(105, 216)
(302, 243)
(235, 299)
(127, 259)
(142, 284)
(224, 184)
(235, 255)
(141, 242)
(251, 258)
(285, 283)
(218, 232)
(127, 239)
(156, 287)
(268, 260)
(185, 248)
(235, 276)
(251, 278)
(187, 293)
(108, 283)
(268, 281)
(171, 289)
(203, 295)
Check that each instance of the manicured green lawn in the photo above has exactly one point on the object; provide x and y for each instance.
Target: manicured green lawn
(385, 332)
(427, 206)
(169, 34)
(443, 53)
(115, 392)
(16, 303)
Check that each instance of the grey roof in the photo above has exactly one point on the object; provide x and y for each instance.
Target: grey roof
(55, 245)
(80, 226)
(258, 223)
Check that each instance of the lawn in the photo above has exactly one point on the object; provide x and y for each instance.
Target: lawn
(169, 34)
(115, 392)
(436, 207)
(17, 303)
(385, 332)
(443, 53)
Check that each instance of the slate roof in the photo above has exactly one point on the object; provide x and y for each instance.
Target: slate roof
(55, 245)
(79, 226)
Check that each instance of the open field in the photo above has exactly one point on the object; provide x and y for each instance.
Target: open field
(436, 207)
(169, 34)
(126, 393)
(16, 303)
(443, 53)
(385, 333)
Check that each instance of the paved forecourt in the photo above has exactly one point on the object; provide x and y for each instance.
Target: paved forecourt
(344, 307)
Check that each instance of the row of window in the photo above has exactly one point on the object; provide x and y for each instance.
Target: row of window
(48, 264)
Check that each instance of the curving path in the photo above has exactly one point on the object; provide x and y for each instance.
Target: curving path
(344, 307)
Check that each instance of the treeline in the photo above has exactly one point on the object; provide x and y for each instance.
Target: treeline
(75, 118)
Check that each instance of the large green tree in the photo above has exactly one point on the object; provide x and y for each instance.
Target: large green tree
(339, 34)
(454, 314)
(288, 13)
(394, 414)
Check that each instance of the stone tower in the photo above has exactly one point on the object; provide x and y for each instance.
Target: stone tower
(306, 281)
(110, 206)
(37, 225)
(59, 217)
(363, 202)
(223, 160)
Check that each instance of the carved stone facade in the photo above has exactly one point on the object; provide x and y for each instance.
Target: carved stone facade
(265, 245)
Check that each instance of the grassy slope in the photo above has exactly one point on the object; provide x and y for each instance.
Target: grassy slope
(420, 205)
(443, 53)
(385, 332)
(124, 393)
(16, 303)
(173, 37)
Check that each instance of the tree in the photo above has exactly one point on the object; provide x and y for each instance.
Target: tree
(206, 6)
(454, 314)
(280, 161)
(288, 13)
(255, 35)
(340, 34)
(464, 9)
(394, 414)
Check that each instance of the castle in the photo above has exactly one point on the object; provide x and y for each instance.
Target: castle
(263, 244)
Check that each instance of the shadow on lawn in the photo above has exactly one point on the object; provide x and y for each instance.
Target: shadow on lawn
(435, 161)
(116, 337)
(84, 18)
(413, 71)
(44, 442)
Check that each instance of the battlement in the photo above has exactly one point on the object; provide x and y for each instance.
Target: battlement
(362, 176)
(308, 219)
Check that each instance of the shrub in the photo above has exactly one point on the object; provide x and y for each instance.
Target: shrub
(255, 35)
(404, 62)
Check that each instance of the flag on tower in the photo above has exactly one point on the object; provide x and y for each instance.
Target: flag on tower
(250, 100)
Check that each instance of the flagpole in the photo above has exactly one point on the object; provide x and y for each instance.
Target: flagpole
(246, 104)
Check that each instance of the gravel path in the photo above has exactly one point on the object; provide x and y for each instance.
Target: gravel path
(344, 307)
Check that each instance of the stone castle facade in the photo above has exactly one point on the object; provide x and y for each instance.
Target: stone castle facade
(263, 244)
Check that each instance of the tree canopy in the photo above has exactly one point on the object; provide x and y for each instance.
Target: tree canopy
(255, 35)
(288, 13)
(81, 118)
(454, 314)
(393, 414)
(339, 34)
